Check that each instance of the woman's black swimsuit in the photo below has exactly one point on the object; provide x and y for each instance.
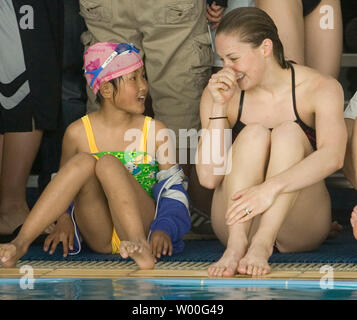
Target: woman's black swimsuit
(310, 132)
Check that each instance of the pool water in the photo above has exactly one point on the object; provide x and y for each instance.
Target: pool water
(175, 289)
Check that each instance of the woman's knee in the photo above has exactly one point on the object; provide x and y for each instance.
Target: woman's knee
(289, 135)
(254, 134)
(290, 128)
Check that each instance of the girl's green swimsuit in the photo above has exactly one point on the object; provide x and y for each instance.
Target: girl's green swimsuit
(144, 173)
(139, 163)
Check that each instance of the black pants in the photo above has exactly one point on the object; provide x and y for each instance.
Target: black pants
(73, 93)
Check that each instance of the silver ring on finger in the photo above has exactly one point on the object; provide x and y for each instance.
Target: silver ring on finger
(247, 211)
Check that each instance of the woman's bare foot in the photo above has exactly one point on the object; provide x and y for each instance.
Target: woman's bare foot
(10, 253)
(139, 251)
(227, 265)
(353, 221)
(255, 262)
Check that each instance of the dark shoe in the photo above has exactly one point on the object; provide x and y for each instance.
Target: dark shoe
(201, 223)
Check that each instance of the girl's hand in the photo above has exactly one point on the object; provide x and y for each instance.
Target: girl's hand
(214, 14)
(250, 202)
(63, 232)
(222, 85)
(160, 243)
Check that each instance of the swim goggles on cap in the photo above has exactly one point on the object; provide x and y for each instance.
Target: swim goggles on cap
(121, 48)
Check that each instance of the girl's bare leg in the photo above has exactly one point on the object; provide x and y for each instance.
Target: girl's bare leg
(131, 208)
(288, 17)
(297, 221)
(18, 154)
(324, 39)
(52, 203)
(250, 152)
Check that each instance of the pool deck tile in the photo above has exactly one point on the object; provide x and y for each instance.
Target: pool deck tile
(88, 273)
(18, 273)
(164, 273)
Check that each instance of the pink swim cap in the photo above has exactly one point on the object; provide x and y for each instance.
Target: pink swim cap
(105, 61)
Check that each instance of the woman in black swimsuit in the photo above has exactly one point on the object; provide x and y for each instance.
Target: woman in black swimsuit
(288, 136)
(310, 30)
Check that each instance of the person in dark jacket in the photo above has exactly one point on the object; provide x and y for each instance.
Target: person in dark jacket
(31, 35)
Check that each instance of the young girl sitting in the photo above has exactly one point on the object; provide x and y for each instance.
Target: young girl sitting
(129, 196)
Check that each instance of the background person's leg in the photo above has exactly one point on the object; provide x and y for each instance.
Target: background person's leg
(1, 150)
(324, 39)
(350, 165)
(288, 17)
(19, 152)
(33, 58)
(178, 59)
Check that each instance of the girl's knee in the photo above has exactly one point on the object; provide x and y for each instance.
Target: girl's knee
(83, 161)
(106, 163)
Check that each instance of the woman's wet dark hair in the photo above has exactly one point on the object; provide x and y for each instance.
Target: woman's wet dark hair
(253, 25)
(115, 82)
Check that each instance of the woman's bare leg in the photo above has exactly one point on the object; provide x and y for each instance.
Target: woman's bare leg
(131, 208)
(52, 203)
(297, 221)
(288, 17)
(250, 152)
(19, 152)
(324, 39)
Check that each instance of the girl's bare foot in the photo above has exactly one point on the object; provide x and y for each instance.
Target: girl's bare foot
(353, 221)
(255, 262)
(139, 251)
(10, 253)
